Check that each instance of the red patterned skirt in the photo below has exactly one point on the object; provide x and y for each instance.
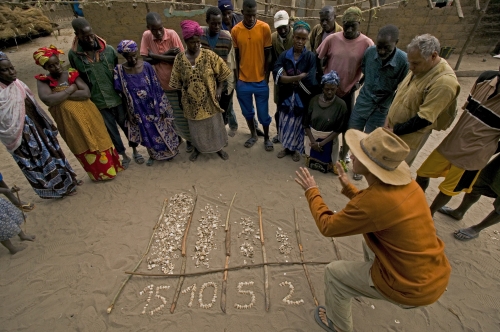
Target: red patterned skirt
(101, 165)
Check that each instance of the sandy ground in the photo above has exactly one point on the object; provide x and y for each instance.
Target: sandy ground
(66, 280)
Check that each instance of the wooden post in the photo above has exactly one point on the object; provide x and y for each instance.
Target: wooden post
(292, 10)
(369, 19)
(429, 3)
(478, 7)
(471, 34)
(459, 8)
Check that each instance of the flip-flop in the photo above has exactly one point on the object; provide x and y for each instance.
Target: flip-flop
(296, 156)
(138, 158)
(79, 182)
(231, 132)
(268, 145)
(194, 155)
(357, 177)
(325, 327)
(223, 154)
(150, 162)
(250, 142)
(26, 207)
(462, 233)
(276, 139)
(446, 210)
(189, 147)
(126, 163)
(282, 153)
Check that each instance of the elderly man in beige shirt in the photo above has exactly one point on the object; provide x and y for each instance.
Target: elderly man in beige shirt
(425, 97)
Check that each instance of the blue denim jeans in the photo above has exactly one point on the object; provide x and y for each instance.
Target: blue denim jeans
(367, 120)
(245, 92)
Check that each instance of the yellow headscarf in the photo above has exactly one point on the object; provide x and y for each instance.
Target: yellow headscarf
(43, 54)
(352, 14)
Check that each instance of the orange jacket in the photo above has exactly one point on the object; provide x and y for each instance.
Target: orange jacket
(410, 266)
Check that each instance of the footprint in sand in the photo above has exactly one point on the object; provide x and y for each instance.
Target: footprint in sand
(90, 321)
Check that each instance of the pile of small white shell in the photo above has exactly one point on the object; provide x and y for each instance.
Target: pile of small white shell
(286, 299)
(250, 236)
(168, 236)
(249, 292)
(282, 237)
(206, 235)
(149, 290)
(191, 289)
(214, 298)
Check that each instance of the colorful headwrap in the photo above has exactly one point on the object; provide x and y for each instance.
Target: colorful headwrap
(225, 5)
(301, 25)
(3, 56)
(352, 14)
(43, 54)
(190, 28)
(127, 46)
(331, 78)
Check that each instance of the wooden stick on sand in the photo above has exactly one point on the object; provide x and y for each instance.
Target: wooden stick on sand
(299, 241)
(21, 205)
(111, 306)
(228, 253)
(264, 259)
(183, 250)
(336, 247)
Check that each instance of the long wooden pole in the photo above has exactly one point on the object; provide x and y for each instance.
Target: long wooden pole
(184, 258)
(22, 211)
(264, 260)
(301, 249)
(471, 34)
(337, 251)
(233, 268)
(112, 305)
(226, 265)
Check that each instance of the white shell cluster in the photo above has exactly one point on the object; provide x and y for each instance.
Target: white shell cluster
(214, 298)
(206, 235)
(168, 236)
(250, 236)
(282, 237)
(249, 292)
(149, 289)
(286, 299)
(191, 289)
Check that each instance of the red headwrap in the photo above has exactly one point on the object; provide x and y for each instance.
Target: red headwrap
(190, 28)
(43, 54)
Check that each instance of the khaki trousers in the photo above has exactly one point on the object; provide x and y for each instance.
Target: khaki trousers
(345, 280)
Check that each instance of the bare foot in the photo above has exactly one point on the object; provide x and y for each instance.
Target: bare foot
(322, 315)
(223, 154)
(194, 155)
(13, 250)
(26, 237)
(231, 133)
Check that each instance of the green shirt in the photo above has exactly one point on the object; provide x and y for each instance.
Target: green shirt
(333, 117)
(98, 75)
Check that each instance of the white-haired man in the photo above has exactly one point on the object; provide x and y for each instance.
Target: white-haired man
(404, 261)
(428, 92)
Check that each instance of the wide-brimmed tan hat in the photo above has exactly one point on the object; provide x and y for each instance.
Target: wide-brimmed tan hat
(383, 153)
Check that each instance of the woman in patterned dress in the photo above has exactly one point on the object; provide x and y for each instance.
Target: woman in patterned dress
(79, 121)
(11, 218)
(150, 113)
(30, 137)
(199, 73)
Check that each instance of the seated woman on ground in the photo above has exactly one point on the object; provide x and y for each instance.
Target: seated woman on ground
(295, 73)
(324, 121)
(199, 73)
(150, 114)
(11, 218)
(79, 121)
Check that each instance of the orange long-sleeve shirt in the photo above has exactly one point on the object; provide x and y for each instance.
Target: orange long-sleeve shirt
(410, 266)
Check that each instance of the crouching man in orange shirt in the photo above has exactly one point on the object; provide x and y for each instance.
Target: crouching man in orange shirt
(404, 259)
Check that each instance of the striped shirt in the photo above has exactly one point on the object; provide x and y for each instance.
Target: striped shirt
(474, 139)
(223, 43)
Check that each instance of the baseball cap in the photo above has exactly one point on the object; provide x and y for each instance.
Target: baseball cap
(281, 18)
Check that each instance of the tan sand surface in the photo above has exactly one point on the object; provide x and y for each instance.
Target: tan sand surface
(66, 280)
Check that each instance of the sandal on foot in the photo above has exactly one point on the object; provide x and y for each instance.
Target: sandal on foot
(150, 162)
(194, 155)
(126, 163)
(462, 235)
(250, 142)
(138, 158)
(79, 182)
(357, 177)
(26, 207)
(296, 156)
(268, 145)
(448, 211)
(189, 147)
(276, 139)
(231, 132)
(282, 153)
(325, 327)
(223, 154)
(259, 132)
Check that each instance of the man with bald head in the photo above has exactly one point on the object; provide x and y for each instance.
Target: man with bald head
(326, 27)
(159, 46)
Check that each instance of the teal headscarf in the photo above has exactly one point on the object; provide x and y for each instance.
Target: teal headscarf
(301, 25)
